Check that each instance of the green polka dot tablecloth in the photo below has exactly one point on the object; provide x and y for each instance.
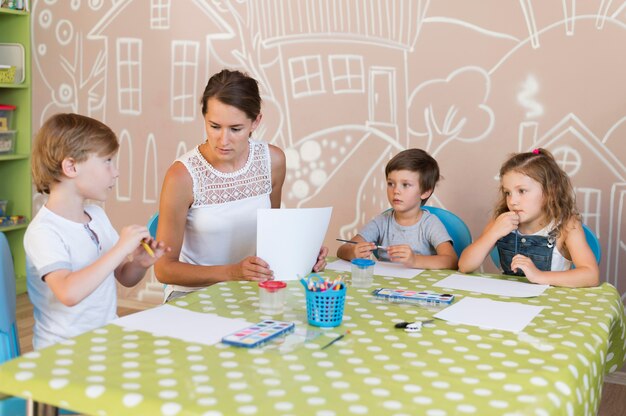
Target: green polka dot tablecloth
(555, 366)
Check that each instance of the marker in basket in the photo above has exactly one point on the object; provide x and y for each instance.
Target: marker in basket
(147, 248)
(356, 242)
(335, 340)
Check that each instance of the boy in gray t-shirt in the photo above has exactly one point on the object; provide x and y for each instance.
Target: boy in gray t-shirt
(406, 233)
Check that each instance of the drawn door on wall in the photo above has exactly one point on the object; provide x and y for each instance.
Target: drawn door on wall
(382, 100)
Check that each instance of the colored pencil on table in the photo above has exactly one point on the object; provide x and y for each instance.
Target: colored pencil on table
(335, 340)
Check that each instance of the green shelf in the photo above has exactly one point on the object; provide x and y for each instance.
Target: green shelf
(13, 157)
(15, 86)
(7, 228)
(16, 186)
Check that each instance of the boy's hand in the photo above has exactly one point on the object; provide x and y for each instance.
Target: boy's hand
(145, 258)
(525, 264)
(321, 260)
(363, 250)
(401, 254)
(505, 223)
(131, 237)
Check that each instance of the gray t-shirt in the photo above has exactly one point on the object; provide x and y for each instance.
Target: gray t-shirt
(423, 236)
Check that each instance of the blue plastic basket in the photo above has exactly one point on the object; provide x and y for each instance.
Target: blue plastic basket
(325, 309)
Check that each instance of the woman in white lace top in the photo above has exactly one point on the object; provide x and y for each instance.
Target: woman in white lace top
(210, 195)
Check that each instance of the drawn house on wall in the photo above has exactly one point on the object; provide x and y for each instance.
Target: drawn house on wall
(172, 58)
(153, 47)
(359, 61)
(584, 158)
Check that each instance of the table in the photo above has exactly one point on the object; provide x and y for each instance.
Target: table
(555, 366)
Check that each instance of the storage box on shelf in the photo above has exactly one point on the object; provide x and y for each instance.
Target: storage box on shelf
(15, 133)
(6, 117)
(7, 142)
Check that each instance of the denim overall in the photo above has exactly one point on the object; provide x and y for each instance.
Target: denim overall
(536, 247)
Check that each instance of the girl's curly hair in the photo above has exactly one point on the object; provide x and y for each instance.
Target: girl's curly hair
(558, 192)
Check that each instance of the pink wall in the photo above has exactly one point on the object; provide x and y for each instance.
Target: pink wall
(346, 85)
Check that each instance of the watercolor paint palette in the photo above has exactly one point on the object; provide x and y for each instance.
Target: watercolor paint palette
(258, 334)
(405, 295)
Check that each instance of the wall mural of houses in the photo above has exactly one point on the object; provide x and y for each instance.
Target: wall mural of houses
(347, 84)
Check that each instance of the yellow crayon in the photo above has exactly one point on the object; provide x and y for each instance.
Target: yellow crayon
(147, 248)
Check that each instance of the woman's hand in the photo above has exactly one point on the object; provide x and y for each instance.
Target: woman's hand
(252, 268)
(321, 259)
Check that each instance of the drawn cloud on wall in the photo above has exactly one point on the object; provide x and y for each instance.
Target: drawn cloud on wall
(452, 108)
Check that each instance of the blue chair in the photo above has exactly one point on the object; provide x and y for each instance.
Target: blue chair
(153, 223)
(9, 342)
(592, 240)
(460, 234)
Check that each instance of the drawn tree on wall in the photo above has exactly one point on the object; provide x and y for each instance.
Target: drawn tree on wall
(72, 67)
(435, 120)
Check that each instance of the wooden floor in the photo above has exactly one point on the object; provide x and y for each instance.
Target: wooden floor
(613, 395)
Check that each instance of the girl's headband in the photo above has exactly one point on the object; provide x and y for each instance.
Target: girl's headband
(536, 151)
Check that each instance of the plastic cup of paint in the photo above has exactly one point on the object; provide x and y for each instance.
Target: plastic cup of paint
(272, 297)
(362, 272)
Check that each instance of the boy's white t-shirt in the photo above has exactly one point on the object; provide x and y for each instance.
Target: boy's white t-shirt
(54, 243)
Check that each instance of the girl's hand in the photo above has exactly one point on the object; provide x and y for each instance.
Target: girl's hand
(363, 250)
(401, 254)
(146, 259)
(525, 264)
(321, 260)
(253, 268)
(505, 223)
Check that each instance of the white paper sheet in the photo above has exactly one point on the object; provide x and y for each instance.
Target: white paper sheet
(488, 313)
(491, 286)
(381, 268)
(289, 240)
(171, 321)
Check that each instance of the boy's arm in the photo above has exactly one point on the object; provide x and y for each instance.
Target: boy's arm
(444, 259)
(130, 272)
(71, 287)
(586, 273)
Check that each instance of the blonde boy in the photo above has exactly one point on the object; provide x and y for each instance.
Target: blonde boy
(73, 253)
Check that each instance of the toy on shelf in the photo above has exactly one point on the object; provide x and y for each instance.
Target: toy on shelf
(7, 221)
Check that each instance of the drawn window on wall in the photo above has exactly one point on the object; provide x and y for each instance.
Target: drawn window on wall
(306, 76)
(129, 75)
(346, 73)
(124, 187)
(160, 14)
(568, 159)
(150, 186)
(588, 201)
(184, 75)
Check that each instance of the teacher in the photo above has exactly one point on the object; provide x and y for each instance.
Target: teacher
(210, 195)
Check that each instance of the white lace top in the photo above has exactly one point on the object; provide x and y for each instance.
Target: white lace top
(221, 223)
